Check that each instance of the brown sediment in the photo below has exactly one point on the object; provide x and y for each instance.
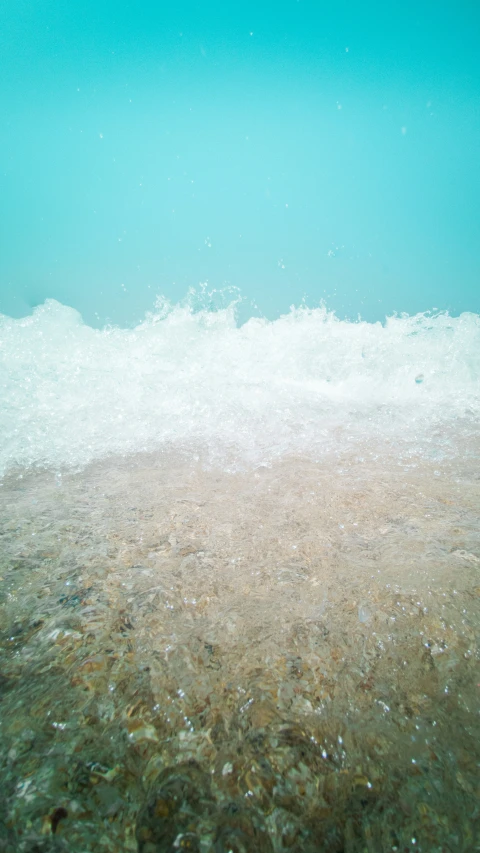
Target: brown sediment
(280, 659)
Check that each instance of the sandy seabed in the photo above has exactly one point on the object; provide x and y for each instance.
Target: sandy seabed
(280, 659)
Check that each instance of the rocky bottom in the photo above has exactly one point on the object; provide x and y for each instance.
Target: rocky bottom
(283, 659)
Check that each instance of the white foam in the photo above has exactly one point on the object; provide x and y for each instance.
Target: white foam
(71, 393)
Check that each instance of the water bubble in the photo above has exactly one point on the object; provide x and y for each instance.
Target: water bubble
(364, 613)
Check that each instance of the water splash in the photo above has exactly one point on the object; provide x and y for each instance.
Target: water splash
(189, 375)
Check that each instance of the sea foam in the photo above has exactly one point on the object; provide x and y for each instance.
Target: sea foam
(194, 379)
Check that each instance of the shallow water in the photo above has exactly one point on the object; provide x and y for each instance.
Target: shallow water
(283, 658)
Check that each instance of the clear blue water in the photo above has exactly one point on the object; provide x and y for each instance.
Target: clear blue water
(294, 150)
(239, 409)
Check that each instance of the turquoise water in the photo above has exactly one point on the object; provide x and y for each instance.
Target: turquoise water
(294, 150)
(239, 411)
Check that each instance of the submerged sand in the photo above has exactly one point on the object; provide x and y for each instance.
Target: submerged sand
(278, 659)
